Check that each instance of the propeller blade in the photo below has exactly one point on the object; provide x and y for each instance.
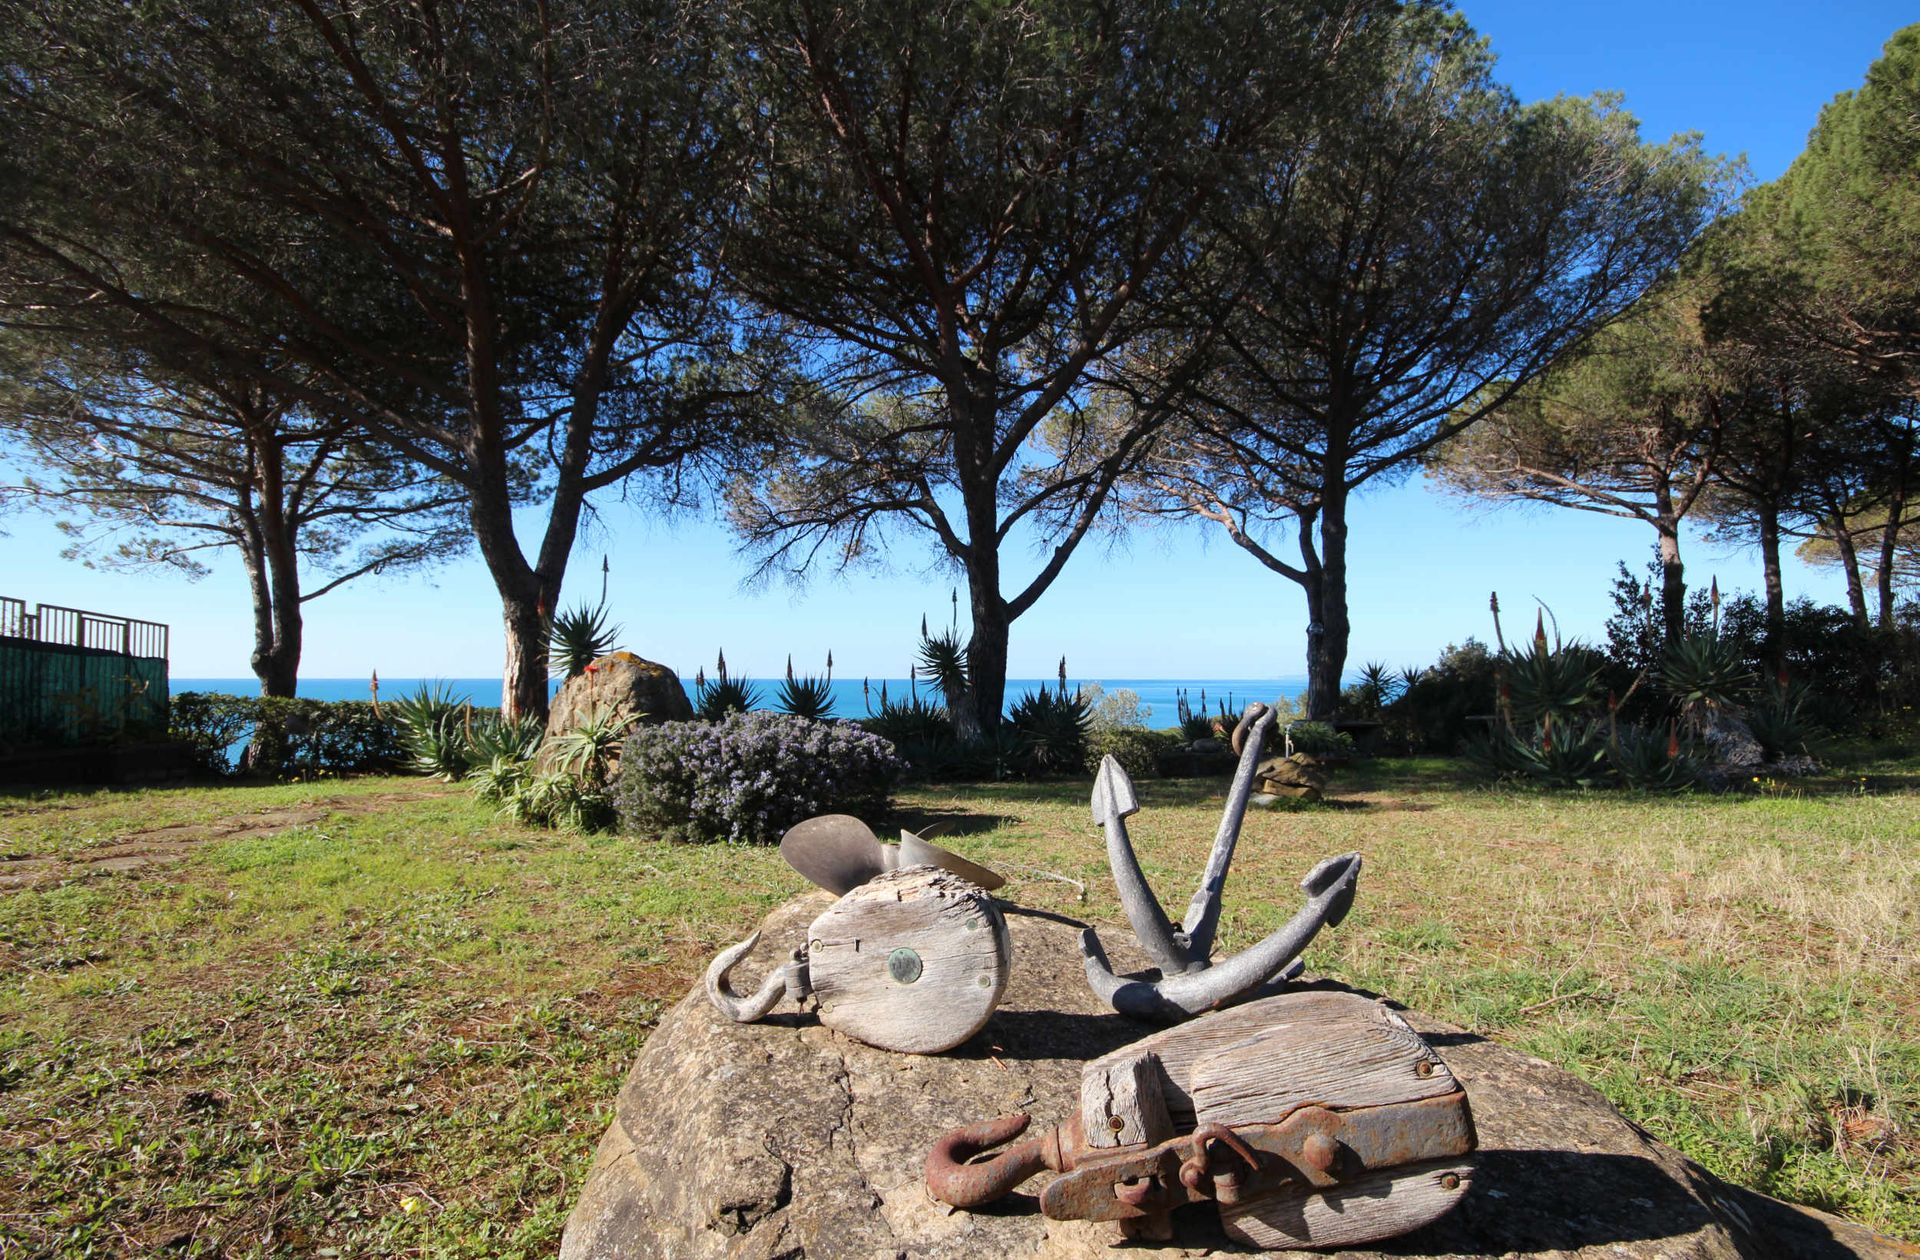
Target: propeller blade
(836, 851)
(915, 851)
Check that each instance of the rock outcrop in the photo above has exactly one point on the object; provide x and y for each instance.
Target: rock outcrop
(785, 1139)
(620, 684)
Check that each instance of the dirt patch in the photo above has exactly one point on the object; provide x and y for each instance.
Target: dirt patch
(136, 850)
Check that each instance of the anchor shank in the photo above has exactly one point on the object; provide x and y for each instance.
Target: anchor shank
(1203, 912)
(1113, 800)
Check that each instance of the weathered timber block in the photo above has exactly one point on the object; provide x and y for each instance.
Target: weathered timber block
(1121, 1103)
(787, 1139)
(1334, 1049)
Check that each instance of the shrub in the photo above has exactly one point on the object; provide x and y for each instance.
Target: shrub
(288, 737)
(1118, 710)
(1432, 711)
(750, 776)
(1050, 729)
(1135, 748)
(1318, 739)
(213, 723)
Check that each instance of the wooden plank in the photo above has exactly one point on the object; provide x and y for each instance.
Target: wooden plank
(1311, 1012)
(1372, 1206)
(914, 960)
(1121, 1103)
(1340, 1059)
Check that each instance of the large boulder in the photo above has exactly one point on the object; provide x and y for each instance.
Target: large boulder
(622, 684)
(785, 1139)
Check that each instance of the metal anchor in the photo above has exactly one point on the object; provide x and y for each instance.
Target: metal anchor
(1190, 982)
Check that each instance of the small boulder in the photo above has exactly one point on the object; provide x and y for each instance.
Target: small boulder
(622, 685)
(1301, 777)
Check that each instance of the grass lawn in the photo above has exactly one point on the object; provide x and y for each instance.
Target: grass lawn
(370, 1018)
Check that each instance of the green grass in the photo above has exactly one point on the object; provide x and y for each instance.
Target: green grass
(396, 1023)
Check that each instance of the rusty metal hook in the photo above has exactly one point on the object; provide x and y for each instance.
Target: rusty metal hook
(957, 1175)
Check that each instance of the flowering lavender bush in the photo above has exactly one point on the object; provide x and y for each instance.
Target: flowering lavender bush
(750, 776)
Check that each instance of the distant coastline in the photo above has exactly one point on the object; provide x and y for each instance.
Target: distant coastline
(1160, 694)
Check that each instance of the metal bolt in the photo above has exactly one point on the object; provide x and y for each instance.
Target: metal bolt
(904, 965)
(814, 943)
(1116, 1123)
(983, 982)
(1449, 1181)
(1423, 1068)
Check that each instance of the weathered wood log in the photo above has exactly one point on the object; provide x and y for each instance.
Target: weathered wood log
(913, 961)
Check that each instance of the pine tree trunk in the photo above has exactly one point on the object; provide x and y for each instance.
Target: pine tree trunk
(279, 540)
(1850, 565)
(1673, 586)
(1329, 627)
(986, 661)
(1889, 546)
(1776, 591)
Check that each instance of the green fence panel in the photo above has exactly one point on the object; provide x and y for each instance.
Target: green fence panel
(54, 694)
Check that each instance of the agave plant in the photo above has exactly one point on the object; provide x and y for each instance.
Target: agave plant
(1548, 682)
(725, 694)
(435, 727)
(497, 780)
(578, 638)
(807, 696)
(1655, 761)
(1553, 753)
(494, 736)
(1051, 727)
(1780, 722)
(1378, 686)
(587, 751)
(944, 663)
(1704, 676)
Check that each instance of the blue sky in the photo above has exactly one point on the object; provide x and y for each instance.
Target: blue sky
(1750, 77)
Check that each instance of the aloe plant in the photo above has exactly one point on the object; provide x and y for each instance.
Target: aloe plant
(577, 638)
(1704, 676)
(725, 694)
(806, 696)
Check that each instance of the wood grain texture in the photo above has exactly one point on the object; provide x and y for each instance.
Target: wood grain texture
(1122, 1104)
(1307, 1018)
(1372, 1206)
(1363, 1057)
(961, 957)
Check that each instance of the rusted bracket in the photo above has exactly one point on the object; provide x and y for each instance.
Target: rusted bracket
(1312, 1149)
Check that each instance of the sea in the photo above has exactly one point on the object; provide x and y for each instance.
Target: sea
(852, 697)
